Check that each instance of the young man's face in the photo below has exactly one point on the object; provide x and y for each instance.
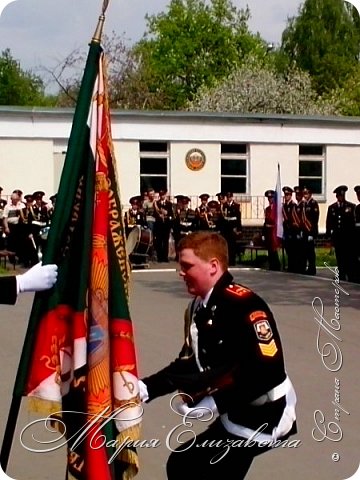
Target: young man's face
(197, 273)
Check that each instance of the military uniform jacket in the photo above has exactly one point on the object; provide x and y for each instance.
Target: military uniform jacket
(291, 219)
(232, 215)
(311, 217)
(269, 228)
(340, 221)
(185, 221)
(239, 358)
(8, 290)
(164, 211)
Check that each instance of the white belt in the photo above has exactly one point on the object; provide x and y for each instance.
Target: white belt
(273, 394)
(230, 218)
(186, 224)
(285, 424)
(39, 224)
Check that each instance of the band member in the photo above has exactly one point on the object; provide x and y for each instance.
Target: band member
(232, 224)
(231, 364)
(11, 223)
(40, 218)
(149, 209)
(185, 219)
(202, 213)
(270, 233)
(310, 223)
(28, 252)
(51, 206)
(215, 217)
(135, 215)
(340, 227)
(164, 215)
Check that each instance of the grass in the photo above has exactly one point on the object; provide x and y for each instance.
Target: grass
(323, 255)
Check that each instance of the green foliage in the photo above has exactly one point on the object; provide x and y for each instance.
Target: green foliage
(191, 45)
(324, 40)
(257, 87)
(19, 87)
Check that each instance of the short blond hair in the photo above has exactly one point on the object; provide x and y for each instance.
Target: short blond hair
(206, 245)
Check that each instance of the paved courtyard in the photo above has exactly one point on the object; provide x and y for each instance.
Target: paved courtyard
(322, 358)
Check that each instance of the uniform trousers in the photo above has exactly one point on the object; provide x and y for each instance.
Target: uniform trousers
(196, 460)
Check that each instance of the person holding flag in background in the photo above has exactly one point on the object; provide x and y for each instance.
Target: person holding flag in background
(82, 326)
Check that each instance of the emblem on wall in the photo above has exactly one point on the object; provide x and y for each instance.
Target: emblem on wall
(195, 159)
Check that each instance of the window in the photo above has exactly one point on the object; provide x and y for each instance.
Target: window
(154, 160)
(234, 167)
(311, 168)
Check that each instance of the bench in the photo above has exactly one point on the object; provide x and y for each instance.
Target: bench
(4, 255)
(256, 249)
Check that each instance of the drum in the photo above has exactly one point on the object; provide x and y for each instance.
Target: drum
(44, 233)
(139, 241)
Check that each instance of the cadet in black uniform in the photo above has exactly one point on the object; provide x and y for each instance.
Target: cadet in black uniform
(340, 227)
(185, 219)
(40, 277)
(164, 215)
(135, 215)
(290, 229)
(232, 224)
(298, 231)
(40, 218)
(270, 233)
(231, 363)
(310, 223)
(357, 226)
(202, 213)
(215, 217)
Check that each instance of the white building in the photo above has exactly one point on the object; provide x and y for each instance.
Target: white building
(230, 152)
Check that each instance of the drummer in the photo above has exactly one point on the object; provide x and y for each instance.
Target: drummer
(135, 215)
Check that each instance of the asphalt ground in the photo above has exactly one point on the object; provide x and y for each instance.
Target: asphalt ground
(327, 387)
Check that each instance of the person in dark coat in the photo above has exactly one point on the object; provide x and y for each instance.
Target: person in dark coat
(38, 278)
(202, 213)
(290, 227)
(340, 227)
(310, 225)
(164, 217)
(357, 224)
(231, 365)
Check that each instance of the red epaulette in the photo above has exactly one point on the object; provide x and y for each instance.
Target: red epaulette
(238, 290)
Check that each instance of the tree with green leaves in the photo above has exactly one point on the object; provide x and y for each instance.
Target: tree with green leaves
(257, 87)
(19, 87)
(193, 44)
(324, 40)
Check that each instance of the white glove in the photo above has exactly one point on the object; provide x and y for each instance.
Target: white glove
(40, 277)
(206, 405)
(143, 391)
(310, 238)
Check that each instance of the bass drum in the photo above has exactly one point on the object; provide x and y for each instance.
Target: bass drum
(139, 241)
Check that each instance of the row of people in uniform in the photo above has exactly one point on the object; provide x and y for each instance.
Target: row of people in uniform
(164, 217)
(343, 227)
(24, 218)
(300, 219)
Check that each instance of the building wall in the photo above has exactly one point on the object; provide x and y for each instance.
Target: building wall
(33, 145)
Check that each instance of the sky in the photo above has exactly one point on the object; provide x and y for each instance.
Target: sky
(43, 32)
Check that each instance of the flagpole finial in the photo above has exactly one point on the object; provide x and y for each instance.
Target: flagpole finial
(100, 25)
